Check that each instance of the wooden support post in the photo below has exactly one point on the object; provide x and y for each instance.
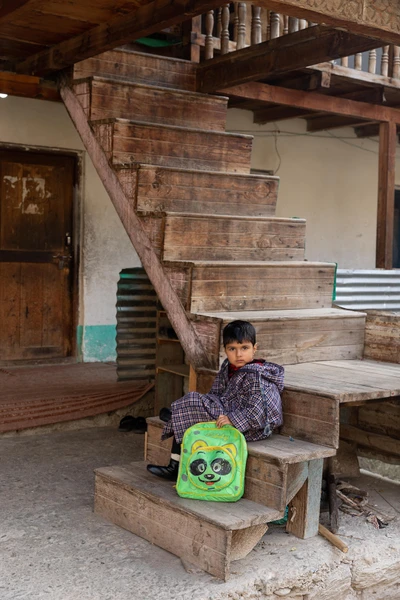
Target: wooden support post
(168, 297)
(386, 181)
(303, 518)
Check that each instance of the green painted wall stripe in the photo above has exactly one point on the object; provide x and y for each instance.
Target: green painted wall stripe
(96, 343)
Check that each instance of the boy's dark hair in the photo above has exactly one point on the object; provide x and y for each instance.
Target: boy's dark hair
(239, 331)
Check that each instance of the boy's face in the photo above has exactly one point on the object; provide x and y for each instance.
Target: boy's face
(240, 353)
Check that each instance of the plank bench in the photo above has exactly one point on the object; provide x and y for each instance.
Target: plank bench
(208, 535)
(280, 471)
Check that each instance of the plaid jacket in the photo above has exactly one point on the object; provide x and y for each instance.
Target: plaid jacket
(250, 398)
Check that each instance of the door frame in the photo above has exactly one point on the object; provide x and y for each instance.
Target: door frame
(77, 220)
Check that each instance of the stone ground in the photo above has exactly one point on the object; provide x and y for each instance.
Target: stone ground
(53, 547)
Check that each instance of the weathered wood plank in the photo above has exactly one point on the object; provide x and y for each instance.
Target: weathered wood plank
(304, 509)
(27, 86)
(310, 417)
(139, 67)
(367, 439)
(277, 56)
(111, 99)
(128, 143)
(139, 239)
(197, 237)
(175, 190)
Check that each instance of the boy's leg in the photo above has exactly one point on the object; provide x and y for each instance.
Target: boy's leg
(170, 471)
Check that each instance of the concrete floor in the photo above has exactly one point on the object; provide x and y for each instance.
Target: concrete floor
(53, 547)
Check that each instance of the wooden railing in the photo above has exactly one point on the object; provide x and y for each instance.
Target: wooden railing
(238, 25)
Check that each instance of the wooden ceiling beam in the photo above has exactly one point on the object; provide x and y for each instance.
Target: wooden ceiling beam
(281, 55)
(313, 101)
(375, 18)
(27, 86)
(147, 19)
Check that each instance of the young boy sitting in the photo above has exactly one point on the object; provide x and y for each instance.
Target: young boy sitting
(245, 394)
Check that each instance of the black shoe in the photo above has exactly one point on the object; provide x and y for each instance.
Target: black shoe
(169, 472)
(165, 414)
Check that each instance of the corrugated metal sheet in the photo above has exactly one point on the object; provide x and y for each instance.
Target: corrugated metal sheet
(136, 326)
(376, 289)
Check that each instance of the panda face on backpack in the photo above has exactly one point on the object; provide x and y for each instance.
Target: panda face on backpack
(212, 468)
(213, 463)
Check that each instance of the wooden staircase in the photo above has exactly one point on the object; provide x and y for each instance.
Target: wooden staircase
(211, 224)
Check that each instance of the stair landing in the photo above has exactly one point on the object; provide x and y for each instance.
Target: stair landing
(347, 381)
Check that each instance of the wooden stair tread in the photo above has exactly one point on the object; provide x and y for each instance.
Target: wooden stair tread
(181, 128)
(283, 315)
(118, 81)
(278, 448)
(226, 515)
(346, 381)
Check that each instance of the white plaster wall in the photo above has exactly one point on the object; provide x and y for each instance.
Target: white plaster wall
(328, 178)
(106, 248)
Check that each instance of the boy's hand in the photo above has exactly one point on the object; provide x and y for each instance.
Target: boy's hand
(223, 420)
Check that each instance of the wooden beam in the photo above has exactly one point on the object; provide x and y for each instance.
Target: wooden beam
(147, 19)
(27, 86)
(313, 101)
(377, 18)
(180, 321)
(386, 183)
(281, 55)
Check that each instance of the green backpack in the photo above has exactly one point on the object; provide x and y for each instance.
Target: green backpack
(213, 463)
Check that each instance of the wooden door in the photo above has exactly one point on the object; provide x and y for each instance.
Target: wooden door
(36, 194)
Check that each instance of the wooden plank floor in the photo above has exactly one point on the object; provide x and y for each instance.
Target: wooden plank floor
(346, 380)
(42, 395)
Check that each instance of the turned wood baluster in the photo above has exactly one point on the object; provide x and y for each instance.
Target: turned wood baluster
(372, 61)
(285, 25)
(209, 42)
(225, 29)
(303, 24)
(344, 61)
(275, 25)
(268, 25)
(256, 29)
(396, 62)
(241, 38)
(385, 61)
(358, 61)
(236, 22)
(293, 24)
(219, 23)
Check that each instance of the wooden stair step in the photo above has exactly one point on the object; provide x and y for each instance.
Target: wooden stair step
(164, 189)
(253, 285)
(139, 67)
(276, 467)
(353, 385)
(207, 534)
(293, 336)
(125, 142)
(213, 237)
(347, 381)
(105, 98)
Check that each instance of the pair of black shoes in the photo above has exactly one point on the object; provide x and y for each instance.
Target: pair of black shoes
(170, 472)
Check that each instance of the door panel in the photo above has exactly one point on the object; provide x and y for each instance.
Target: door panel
(36, 192)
